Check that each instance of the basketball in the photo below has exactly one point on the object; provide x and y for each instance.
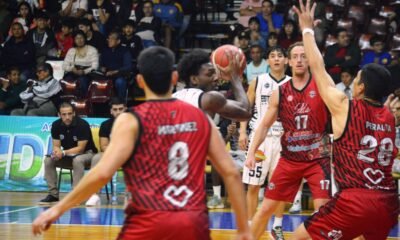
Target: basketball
(220, 59)
(260, 156)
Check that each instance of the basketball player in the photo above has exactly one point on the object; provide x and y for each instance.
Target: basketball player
(304, 154)
(162, 146)
(259, 92)
(201, 81)
(364, 131)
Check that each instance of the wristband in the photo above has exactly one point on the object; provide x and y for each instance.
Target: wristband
(308, 30)
(63, 153)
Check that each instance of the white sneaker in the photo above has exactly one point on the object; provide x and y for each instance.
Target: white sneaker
(94, 200)
(296, 208)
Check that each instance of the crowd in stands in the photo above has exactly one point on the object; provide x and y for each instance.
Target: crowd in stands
(103, 38)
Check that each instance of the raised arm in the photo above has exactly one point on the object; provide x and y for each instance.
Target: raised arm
(262, 130)
(335, 100)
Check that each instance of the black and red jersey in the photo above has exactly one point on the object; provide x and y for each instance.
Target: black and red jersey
(363, 155)
(305, 120)
(166, 170)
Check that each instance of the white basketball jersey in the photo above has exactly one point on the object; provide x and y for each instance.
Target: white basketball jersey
(265, 85)
(189, 95)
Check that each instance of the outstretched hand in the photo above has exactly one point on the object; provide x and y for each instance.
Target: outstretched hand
(305, 14)
(44, 220)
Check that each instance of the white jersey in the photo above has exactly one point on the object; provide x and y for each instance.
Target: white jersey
(190, 95)
(265, 85)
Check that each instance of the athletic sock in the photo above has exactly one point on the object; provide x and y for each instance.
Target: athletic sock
(277, 222)
(217, 191)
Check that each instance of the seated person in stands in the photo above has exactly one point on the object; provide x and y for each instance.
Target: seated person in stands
(148, 27)
(73, 146)
(130, 40)
(244, 44)
(116, 63)
(257, 65)
(74, 8)
(93, 38)
(41, 97)
(270, 21)
(378, 54)
(117, 107)
(101, 12)
(255, 35)
(80, 61)
(10, 88)
(346, 84)
(247, 10)
(272, 40)
(64, 39)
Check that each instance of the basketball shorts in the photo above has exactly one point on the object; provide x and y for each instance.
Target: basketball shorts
(173, 225)
(355, 212)
(287, 177)
(271, 148)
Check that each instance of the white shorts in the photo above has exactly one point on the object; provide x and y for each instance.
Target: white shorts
(272, 150)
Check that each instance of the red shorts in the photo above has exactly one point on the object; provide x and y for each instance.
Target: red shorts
(355, 212)
(166, 225)
(287, 177)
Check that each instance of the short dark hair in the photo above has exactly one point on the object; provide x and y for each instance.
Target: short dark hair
(375, 39)
(46, 67)
(296, 44)
(85, 22)
(41, 15)
(270, 2)
(117, 101)
(156, 64)
(79, 32)
(254, 19)
(190, 64)
(116, 33)
(339, 30)
(129, 22)
(348, 70)
(13, 68)
(65, 105)
(276, 49)
(67, 23)
(376, 79)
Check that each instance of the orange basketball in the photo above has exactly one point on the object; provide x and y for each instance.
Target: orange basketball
(221, 59)
(260, 156)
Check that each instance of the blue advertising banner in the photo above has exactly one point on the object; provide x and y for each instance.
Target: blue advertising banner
(24, 142)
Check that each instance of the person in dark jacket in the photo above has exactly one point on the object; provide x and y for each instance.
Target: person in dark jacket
(341, 55)
(130, 40)
(10, 89)
(19, 51)
(116, 63)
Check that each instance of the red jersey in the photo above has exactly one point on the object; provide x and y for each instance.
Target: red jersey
(363, 155)
(304, 119)
(166, 170)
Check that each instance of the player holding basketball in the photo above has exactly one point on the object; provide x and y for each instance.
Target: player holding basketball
(162, 147)
(201, 80)
(364, 131)
(304, 154)
(259, 92)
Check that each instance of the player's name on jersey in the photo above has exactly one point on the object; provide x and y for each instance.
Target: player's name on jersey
(177, 128)
(378, 127)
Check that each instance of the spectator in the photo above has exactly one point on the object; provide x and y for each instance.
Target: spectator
(346, 84)
(25, 17)
(148, 28)
(101, 13)
(93, 38)
(41, 98)
(170, 13)
(131, 41)
(378, 54)
(116, 63)
(244, 43)
(289, 35)
(255, 35)
(74, 8)
(257, 65)
(130, 10)
(80, 61)
(248, 9)
(189, 9)
(117, 107)
(64, 39)
(269, 21)
(19, 51)
(42, 37)
(10, 90)
(72, 145)
(272, 40)
(342, 54)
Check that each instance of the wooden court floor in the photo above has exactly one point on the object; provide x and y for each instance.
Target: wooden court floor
(17, 210)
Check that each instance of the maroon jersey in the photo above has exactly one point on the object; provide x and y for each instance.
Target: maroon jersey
(166, 170)
(363, 155)
(304, 119)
